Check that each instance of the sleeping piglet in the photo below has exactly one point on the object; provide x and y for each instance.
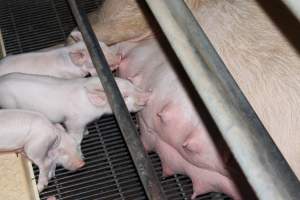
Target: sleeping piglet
(66, 62)
(74, 102)
(43, 143)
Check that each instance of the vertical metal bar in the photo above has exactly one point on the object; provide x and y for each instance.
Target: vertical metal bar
(145, 170)
(2, 48)
(294, 6)
(261, 161)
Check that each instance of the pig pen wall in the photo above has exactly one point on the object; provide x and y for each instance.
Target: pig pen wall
(29, 25)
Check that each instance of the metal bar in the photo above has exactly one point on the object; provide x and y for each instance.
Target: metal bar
(2, 47)
(261, 161)
(142, 163)
(294, 6)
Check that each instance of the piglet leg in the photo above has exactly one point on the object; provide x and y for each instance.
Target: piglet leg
(75, 129)
(52, 170)
(44, 167)
(37, 152)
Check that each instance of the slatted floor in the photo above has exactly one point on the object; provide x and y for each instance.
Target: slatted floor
(109, 172)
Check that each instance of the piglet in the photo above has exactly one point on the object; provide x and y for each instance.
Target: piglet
(43, 143)
(170, 125)
(74, 102)
(66, 62)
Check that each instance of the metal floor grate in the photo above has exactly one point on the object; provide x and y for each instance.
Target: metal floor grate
(109, 173)
(29, 25)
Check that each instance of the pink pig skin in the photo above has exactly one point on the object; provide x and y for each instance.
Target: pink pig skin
(74, 102)
(45, 144)
(170, 124)
(260, 58)
(257, 45)
(203, 180)
(64, 62)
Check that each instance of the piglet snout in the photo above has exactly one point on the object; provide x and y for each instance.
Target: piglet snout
(76, 165)
(79, 164)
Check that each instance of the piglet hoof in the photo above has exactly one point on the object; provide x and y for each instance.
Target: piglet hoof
(86, 132)
(194, 195)
(51, 174)
(51, 198)
(165, 176)
(137, 126)
(40, 187)
(166, 170)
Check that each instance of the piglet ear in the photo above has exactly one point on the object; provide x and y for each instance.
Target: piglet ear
(52, 151)
(76, 35)
(60, 127)
(96, 95)
(78, 57)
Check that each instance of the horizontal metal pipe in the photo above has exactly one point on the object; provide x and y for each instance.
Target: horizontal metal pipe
(294, 6)
(261, 161)
(143, 165)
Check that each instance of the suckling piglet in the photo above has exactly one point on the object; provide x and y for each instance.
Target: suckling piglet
(74, 102)
(65, 62)
(43, 143)
(170, 125)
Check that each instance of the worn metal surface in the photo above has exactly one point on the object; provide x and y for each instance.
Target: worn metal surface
(294, 6)
(129, 132)
(261, 161)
